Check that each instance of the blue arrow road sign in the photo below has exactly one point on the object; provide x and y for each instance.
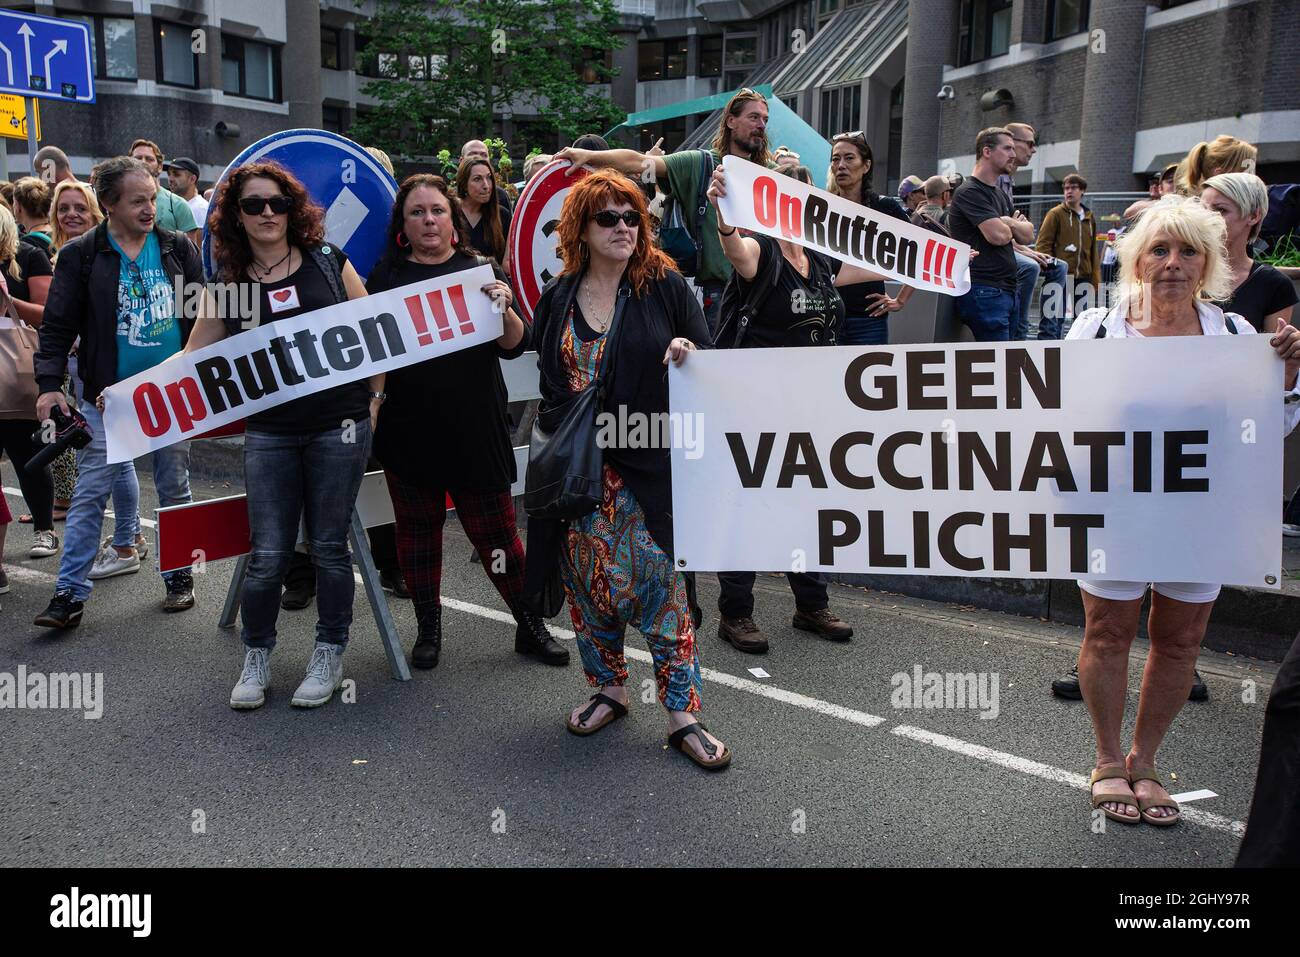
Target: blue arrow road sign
(355, 191)
(44, 56)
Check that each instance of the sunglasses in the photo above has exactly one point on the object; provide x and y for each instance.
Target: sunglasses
(253, 205)
(137, 279)
(609, 219)
(855, 135)
(1033, 143)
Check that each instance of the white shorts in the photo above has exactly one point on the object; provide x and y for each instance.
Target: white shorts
(1195, 593)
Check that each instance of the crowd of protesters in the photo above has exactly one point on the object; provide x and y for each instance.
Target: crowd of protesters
(92, 269)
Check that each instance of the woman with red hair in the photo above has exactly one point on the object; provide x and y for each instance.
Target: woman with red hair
(620, 302)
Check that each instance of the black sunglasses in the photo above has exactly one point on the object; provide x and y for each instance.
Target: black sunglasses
(253, 205)
(609, 219)
(1019, 139)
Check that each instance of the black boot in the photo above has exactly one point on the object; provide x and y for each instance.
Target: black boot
(428, 646)
(532, 639)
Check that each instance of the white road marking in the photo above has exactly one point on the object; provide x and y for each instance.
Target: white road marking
(977, 752)
(108, 512)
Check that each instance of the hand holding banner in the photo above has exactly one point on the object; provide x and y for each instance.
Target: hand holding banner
(764, 201)
(193, 393)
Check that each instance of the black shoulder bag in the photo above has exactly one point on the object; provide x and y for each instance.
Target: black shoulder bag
(565, 478)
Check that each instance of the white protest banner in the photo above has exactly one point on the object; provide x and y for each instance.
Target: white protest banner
(1138, 460)
(229, 380)
(767, 202)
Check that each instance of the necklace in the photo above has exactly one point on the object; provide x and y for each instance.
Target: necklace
(590, 311)
(265, 271)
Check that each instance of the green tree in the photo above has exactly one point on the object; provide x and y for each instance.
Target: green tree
(448, 67)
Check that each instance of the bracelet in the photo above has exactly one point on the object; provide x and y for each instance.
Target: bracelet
(381, 396)
(721, 233)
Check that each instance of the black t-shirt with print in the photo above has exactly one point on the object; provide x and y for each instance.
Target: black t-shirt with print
(321, 411)
(1264, 292)
(972, 204)
(31, 262)
(798, 310)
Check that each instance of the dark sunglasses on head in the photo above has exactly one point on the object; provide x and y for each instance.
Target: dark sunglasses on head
(253, 205)
(609, 219)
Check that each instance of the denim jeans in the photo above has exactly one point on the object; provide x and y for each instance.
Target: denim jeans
(288, 476)
(865, 331)
(1027, 270)
(1052, 305)
(989, 311)
(126, 506)
(95, 481)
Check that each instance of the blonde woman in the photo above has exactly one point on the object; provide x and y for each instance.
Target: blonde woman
(1260, 293)
(1225, 154)
(1173, 267)
(73, 211)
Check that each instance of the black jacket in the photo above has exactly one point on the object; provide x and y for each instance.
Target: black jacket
(638, 382)
(88, 308)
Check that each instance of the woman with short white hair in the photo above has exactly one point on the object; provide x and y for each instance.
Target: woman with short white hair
(1260, 294)
(1173, 266)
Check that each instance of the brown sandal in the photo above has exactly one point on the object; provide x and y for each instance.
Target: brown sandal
(616, 711)
(678, 740)
(1105, 773)
(1144, 805)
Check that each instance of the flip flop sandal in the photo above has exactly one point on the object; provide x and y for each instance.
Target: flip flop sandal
(678, 740)
(1105, 773)
(616, 711)
(1151, 774)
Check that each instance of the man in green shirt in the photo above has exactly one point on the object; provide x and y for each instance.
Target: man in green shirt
(742, 132)
(171, 212)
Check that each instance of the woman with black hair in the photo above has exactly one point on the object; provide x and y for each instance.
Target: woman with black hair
(866, 304)
(444, 431)
(487, 220)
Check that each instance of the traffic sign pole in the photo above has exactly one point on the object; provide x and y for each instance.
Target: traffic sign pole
(31, 139)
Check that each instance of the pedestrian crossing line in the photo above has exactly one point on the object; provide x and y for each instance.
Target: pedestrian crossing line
(108, 512)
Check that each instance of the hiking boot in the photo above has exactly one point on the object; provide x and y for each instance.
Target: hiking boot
(180, 592)
(298, 596)
(1067, 686)
(743, 635)
(393, 581)
(534, 640)
(109, 562)
(62, 612)
(250, 690)
(324, 675)
(823, 622)
(428, 646)
(44, 544)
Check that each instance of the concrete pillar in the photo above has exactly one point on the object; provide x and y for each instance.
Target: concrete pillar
(1111, 94)
(622, 88)
(300, 64)
(931, 42)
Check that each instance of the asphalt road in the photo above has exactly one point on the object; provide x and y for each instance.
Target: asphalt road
(470, 764)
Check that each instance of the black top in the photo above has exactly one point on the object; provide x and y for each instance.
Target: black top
(444, 423)
(321, 411)
(972, 204)
(855, 296)
(798, 310)
(1264, 292)
(478, 234)
(38, 241)
(31, 262)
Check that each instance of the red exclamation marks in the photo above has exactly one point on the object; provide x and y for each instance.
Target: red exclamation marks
(947, 267)
(439, 314)
(929, 251)
(417, 319)
(457, 294)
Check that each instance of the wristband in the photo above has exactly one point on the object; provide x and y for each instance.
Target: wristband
(721, 233)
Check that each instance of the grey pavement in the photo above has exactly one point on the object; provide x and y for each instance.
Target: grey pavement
(470, 764)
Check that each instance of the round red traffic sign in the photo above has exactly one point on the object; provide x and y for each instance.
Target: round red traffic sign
(534, 241)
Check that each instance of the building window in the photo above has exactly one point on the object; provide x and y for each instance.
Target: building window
(841, 108)
(333, 119)
(742, 51)
(1066, 17)
(711, 56)
(661, 59)
(112, 46)
(827, 7)
(331, 48)
(178, 65)
(984, 30)
(595, 66)
(250, 69)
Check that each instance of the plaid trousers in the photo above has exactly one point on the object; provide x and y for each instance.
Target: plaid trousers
(488, 519)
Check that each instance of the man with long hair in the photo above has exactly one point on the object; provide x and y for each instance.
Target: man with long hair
(742, 131)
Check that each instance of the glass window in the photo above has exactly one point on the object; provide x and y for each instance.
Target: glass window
(650, 60)
(249, 68)
(742, 51)
(331, 118)
(984, 30)
(177, 63)
(119, 48)
(1066, 17)
(331, 48)
(595, 65)
(825, 7)
(259, 74)
(675, 57)
(711, 56)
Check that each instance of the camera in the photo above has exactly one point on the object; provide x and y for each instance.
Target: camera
(70, 432)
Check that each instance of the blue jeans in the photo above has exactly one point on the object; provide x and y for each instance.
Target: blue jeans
(317, 474)
(1027, 270)
(989, 311)
(865, 331)
(95, 481)
(126, 506)
(1052, 305)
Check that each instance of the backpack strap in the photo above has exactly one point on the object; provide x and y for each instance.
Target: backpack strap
(758, 288)
(701, 199)
(328, 264)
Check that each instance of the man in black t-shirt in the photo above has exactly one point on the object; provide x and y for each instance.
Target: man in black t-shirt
(982, 217)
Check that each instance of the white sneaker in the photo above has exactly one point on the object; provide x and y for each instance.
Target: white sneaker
(324, 675)
(1290, 531)
(44, 544)
(142, 547)
(250, 690)
(109, 563)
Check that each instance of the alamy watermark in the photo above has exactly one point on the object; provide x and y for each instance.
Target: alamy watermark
(946, 691)
(36, 691)
(651, 430)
